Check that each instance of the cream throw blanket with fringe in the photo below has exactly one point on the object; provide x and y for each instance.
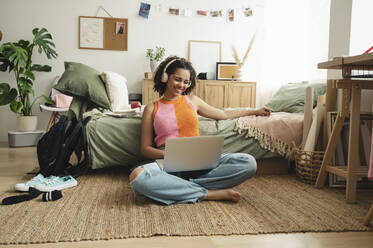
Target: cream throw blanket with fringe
(275, 132)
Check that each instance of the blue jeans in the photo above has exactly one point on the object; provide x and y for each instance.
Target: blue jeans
(153, 182)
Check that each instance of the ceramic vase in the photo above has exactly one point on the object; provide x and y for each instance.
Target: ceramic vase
(239, 74)
(153, 66)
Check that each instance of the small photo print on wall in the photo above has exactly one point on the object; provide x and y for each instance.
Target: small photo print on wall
(173, 11)
(202, 12)
(230, 15)
(119, 28)
(144, 10)
(216, 13)
(247, 12)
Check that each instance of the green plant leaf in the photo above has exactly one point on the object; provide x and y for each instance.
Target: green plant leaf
(25, 86)
(149, 54)
(25, 81)
(23, 43)
(48, 100)
(15, 54)
(16, 106)
(30, 75)
(155, 54)
(43, 40)
(7, 94)
(5, 63)
(159, 53)
(45, 68)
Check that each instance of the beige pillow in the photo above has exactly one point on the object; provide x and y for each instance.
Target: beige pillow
(116, 88)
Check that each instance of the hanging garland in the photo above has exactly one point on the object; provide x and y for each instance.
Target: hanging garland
(145, 9)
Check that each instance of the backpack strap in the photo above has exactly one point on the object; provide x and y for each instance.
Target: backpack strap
(82, 166)
(72, 136)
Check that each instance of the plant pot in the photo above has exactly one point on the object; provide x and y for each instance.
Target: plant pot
(153, 66)
(27, 123)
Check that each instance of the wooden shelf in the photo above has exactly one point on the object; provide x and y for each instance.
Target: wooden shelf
(342, 171)
(348, 83)
(365, 60)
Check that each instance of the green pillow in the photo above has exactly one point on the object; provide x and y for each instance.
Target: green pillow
(82, 81)
(290, 97)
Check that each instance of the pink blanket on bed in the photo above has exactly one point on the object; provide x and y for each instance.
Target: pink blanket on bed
(276, 132)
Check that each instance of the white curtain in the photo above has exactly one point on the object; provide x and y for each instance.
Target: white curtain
(294, 38)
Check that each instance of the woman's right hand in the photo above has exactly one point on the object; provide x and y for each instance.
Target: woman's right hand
(263, 112)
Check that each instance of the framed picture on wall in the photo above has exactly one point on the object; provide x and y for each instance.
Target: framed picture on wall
(226, 71)
(204, 55)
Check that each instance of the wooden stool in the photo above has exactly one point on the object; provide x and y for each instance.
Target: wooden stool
(54, 115)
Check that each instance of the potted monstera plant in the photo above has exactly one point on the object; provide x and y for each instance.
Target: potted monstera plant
(17, 57)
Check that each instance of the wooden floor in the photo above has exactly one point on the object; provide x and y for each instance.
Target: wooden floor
(15, 162)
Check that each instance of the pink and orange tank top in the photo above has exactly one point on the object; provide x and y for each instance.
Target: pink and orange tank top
(177, 118)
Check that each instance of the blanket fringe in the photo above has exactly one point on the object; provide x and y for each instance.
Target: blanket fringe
(266, 141)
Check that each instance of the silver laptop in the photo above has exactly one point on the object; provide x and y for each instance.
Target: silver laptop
(191, 153)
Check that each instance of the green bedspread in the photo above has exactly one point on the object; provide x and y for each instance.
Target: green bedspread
(115, 141)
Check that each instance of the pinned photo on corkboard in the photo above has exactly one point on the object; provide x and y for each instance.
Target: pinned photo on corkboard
(119, 28)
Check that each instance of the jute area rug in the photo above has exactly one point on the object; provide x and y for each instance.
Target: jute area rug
(103, 206)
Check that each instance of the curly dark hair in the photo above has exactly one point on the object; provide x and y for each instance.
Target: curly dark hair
(178, 63)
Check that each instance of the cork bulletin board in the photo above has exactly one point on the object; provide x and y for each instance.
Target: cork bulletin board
(103, 33)
(226, 71)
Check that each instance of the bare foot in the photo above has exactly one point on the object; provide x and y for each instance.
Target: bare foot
(223, 194)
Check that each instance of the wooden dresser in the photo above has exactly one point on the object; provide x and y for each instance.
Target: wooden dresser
(217, 93)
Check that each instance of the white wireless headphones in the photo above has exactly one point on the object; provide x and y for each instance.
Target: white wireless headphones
(164, 77)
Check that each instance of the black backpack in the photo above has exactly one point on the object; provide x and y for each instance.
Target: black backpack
(55, 148)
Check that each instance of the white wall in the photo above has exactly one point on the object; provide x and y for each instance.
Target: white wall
(362, 39)
(349, 22)
(19, 17)
(295, 40)
(339, 35)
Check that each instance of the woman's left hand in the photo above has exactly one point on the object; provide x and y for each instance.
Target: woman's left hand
(263, 112)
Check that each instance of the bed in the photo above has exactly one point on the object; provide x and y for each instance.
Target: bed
(114, 141)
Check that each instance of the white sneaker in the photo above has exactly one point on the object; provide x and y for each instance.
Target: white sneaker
(56, 183)
(31, 183)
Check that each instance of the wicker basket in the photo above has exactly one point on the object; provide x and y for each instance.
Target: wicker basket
(308, 164)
